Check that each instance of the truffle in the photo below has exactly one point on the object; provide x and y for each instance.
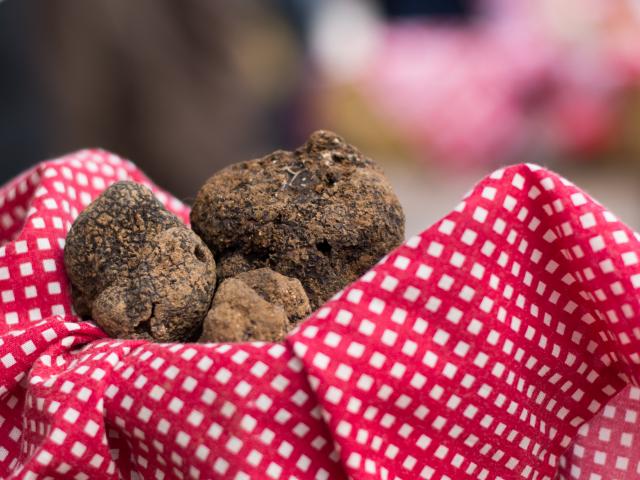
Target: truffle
(324, 214)
(279, 290)
(136, 269)
(255, 305)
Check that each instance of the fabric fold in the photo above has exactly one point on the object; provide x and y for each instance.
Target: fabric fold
(501, 343)
(478, 348)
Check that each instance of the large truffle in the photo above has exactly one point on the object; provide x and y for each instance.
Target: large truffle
(255, 305)
(323, 214)
(136, 269)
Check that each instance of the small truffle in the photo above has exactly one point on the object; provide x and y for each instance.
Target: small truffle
(323, 214)
(136, 269)
(256, 305)
(279, 290)
(240, 314)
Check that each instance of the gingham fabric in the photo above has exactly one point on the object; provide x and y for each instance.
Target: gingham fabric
(501, 343)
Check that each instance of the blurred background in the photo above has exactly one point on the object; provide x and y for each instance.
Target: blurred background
(440, 92)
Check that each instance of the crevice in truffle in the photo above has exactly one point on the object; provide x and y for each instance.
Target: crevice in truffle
(144, 326)
(200, 253)
(195, 334)
(258, 256)
(330, 179)
(324, 247)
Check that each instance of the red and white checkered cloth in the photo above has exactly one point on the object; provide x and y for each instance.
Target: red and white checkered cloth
(501, 343)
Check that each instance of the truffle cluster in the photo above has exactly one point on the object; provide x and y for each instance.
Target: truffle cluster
(287, 231)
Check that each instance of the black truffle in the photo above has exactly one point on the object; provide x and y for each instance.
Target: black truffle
(280, 290)
(136, 269)
(255, 305)
(323, 214)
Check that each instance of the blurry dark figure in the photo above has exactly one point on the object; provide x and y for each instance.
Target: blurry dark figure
(439, 9)
(21, 111)
(181, 88)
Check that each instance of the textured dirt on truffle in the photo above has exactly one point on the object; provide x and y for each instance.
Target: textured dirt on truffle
(239, 313)
(135, 269)
(323, 214)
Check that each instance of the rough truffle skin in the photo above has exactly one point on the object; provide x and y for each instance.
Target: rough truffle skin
(240, 314)
(136, 269)
(258, 305)
(324, 214)
(279, 290)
